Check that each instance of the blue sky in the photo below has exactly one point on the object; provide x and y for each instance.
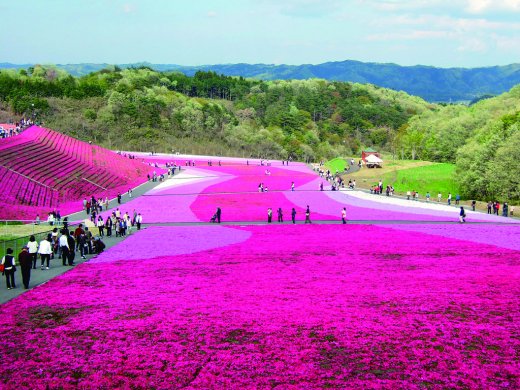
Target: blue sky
(466, 33)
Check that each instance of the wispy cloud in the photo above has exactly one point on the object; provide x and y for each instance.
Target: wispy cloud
(128, 8)
(482, 6)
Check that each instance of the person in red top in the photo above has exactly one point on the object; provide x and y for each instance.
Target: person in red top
(498, 208)
(77, 233)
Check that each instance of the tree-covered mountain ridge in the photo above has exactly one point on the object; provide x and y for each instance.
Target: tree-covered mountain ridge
(431, 83)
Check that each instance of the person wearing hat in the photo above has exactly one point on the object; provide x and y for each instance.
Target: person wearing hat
(25, 259)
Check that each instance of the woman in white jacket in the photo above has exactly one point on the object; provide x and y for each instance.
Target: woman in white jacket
(45, 251)
(33, 250)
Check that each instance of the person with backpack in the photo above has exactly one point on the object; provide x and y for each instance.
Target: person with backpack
(9, 268)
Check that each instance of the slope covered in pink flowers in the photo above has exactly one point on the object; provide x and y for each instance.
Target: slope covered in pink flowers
(42, 170)
(409, 300)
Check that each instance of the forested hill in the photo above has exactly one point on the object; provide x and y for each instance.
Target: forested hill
(430, 83)
(307, 120)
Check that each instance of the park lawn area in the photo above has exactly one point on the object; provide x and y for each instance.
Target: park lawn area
(336, 164)
(413, 175)
(10, 231)
(434, 178)
(16, 236)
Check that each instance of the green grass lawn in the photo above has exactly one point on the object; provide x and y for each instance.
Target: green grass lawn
(336, 164)
(434, 178)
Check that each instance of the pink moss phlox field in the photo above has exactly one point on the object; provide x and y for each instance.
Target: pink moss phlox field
(172, 204)
(500, 235)
(291, 307)
(59, 172)
(160, 241)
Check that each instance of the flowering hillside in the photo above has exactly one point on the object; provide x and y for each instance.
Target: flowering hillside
(43, 170)
(407, 300)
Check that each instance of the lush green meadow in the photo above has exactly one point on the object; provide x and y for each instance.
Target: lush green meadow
(434, 178)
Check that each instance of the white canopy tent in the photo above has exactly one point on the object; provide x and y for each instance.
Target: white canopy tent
(372, 160)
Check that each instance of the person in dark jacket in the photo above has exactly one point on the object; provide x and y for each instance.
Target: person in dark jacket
(308, 215)
(108, 226)
(9, 268)
(99, 246)
(293, 215)
(218, 213)
(25, 260)
(280, 214)
(462, 215)
(72, 254)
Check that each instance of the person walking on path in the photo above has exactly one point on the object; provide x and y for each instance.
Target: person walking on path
(72, 253)
(78, 232)
(101, 226)
(280, 214)
(9, 268)
(473, 204)
(439, 197)
(462, 215)
(219, 214)
(108, 225)
(269, 215)
(45, 252)
(489, 206)
(119, 198)
(293, 216)
(292, 186)
(505, 210)
(344, 215)
(308, 215)
(139, 221)
(32, 245)
(457, 199)
(64, 245)
(449, 199)
(25, 260)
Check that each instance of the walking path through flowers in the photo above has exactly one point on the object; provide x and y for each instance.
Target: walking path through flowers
(428, 304)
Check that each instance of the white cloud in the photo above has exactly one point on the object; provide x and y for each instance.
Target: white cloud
(410, 35)
(481, 6)
(507, 44)
(474, 45)
(212, 14)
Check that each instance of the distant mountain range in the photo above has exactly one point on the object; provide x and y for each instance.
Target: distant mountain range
(431, 83)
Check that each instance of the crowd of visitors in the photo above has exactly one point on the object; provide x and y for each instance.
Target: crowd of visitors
(15, 128)
(61, 244)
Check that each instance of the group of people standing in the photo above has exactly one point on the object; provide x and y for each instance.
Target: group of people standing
(279, 213)
(494, 208)
(64, 245)
(118, 223)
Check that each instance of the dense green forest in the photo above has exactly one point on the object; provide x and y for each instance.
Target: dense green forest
(141, 109)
